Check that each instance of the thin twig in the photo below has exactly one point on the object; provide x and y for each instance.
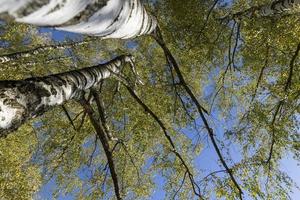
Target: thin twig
(94, 151)
(181, 185)
(204, 25)
(69, 117)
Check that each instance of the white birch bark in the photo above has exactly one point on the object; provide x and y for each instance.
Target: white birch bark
(105, 18)
(25, 99)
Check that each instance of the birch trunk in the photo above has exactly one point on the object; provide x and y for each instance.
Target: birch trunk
(105, 18)
(25, 99)
(280, 6)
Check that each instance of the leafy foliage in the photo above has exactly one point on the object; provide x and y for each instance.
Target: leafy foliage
(244, 72)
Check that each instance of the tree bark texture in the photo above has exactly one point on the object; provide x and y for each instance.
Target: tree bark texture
(24, 99)
(105, 18)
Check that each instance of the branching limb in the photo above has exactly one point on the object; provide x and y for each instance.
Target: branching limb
(69, 117)
(82, 121)
(37, 50)
(61, 156)
(278, 109)
(258, 83)
(158, 37)
(236, 44)
(132, 92)
(108, 152)
(205, 23)
(238, 15)
(26, 64)
(261, 73)
(168, 137)
(292, 64)
(93, 153)
(177, 95)
(102, 114)
(181, 185)
(229, 51)
(280, 104)
(212, 174)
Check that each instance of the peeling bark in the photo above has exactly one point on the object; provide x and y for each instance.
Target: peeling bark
(105, 18)
(25, 99)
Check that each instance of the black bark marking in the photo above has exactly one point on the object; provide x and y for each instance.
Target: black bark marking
(32, 97)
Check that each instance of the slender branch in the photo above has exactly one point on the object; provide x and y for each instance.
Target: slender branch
(261, 73)
(102, 114)
(78, 115)
(237, 38)
(94, 151)
(196, 188)
(26, 64)
(82, 121)
(37, 50)
(229, 51)
(130, 158)
(174, 84)
(181, 185)
(292, 64)
(259, 79)
(101, 135)
(281, 102)
(61, 156)
(238, 15)
(205, 24)
(215, 97)
(158, 37)
(213, 173)
(69, 117)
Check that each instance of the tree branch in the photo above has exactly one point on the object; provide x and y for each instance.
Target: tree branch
(292, 64)
(102, 114)
(101, 135)
(182, 183)
(265, 10)
(94, 151)
(196, 188)
(68, 116)
(158, 37)
(281, 103)
(204, 25)
(37, 50)
(261, 73)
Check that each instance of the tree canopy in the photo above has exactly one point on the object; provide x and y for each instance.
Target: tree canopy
(219, 76)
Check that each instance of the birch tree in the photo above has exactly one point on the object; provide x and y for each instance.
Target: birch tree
(21, 100)
(240, 84)
(142, 24)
